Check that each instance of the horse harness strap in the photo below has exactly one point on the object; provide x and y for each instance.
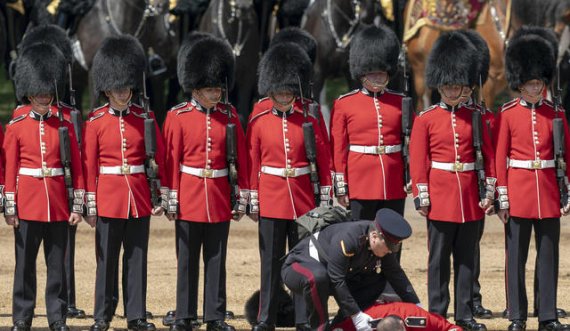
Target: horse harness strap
(218, 20)
(343, 42)
(150, 10)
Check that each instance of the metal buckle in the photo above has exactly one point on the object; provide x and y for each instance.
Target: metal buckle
(126, 170)
(207, 173)
(458, 166)
(536, 164)
(46, 172)
(289, 172)
(381, 149)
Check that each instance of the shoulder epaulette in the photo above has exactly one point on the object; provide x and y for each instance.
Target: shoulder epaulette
(347, 94)
(184, 108)
(394, 92)
(223, 108)
(178, 106)
(20, 106)
(96, 116)
(509, 104)
(551, 105)
(100, 107)
(427, 110)
(259, 115)
(17, 119)
(63, 104)
(262, 99)
(344, 250)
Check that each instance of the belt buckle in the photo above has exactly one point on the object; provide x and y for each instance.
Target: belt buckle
(381, 149)
(207, 173)
(289, 172)
(126, 170)
(458, 166)
(46, 172)
(536, 164)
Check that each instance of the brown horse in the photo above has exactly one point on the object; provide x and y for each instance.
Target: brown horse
(491, 20)
(148, 21)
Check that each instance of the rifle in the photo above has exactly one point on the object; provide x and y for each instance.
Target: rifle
(231, 156)
(407, 109)
(314, 108)
(64, 151)
(479, 161)
(151, 167)
(76, 118)
(310, 148)
(559, 146)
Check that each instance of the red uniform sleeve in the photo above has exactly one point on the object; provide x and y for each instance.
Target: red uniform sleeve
(420, 162)
(90, 157)
(242, 164)
(173, 142)
(339, 149)
(76, 166)
(503, 145)
(11, 147)
(488, 153)
(566, 144)
(2, 158)
(254, 164)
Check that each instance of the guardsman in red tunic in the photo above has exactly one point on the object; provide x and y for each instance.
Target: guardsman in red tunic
(37, 200)
(366, 129)
(118, 194)
(280, 172)
(54, 35)
(527, 185)
(202, 199)
(308, 43)
(444, 181)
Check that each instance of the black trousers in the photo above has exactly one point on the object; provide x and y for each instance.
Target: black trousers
(133, 234)
(547, 238)
(70, 266)
(274, 234)
(477, 297)
(190, 238)
(446, 239)
(28, 238)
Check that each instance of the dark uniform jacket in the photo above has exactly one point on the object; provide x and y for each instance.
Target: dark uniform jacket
(348, 259)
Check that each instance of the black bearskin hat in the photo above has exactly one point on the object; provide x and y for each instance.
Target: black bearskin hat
(205, 61)
(546, 34)
(281, 68)
(119, 63)
(484, 57)
(529, 56)
(49, 34)
(374, 49)
(452, 60)
(38, 68)
(298, 36)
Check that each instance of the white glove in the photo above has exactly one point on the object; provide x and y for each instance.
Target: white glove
(361, 321)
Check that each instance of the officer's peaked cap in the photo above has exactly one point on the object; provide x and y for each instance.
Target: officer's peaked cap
(48, 34)
(298, 36)
(205, 61)
(393, 227)
(282, 67)
(452, 61)
(119, 63)
(374, 49)
(38, 68)
(530, 55)
(483, 55)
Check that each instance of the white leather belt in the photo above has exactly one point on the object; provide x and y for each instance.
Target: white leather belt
(121, 170)
(285, 172)
(454, 167)
(382, 149)
(204, 173)
(531, 164)
(41, 172)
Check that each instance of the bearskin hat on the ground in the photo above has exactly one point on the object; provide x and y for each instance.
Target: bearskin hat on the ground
(38, 68)
(374, 49)
(119, 63)
(301, 37)
(530, 56)
(451, 61)
(48, 34)
(285, 308)
(282, 67)
(205, 61)
(484, 57)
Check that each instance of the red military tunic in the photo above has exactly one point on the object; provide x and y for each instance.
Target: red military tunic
(442, 135)
(32, 145)
(196, 138)
(266, 103)
(532, 193)
(414, 317)
(360, 120)
(116, 139)
(275, 139)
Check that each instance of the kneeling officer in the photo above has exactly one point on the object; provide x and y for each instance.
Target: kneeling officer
(351, 261)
